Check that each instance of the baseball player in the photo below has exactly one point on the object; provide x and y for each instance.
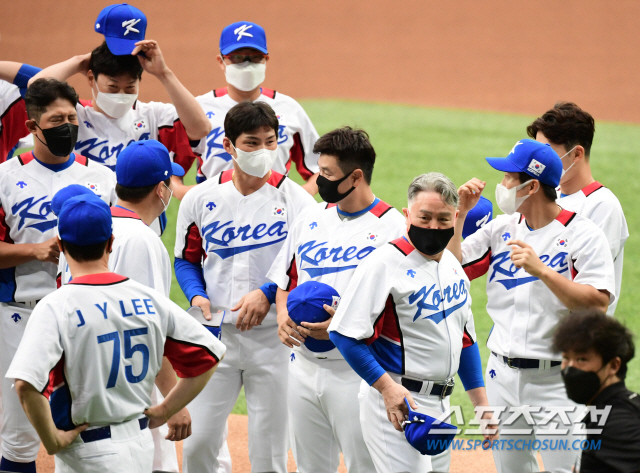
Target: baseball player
(229, 231)
(94, 348)
(28, 250)
(243, 58)
(542, 263)
(326, 244)
(405, 326)
(569, 130)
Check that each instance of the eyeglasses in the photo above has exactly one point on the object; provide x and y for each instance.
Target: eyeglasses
(240, 58)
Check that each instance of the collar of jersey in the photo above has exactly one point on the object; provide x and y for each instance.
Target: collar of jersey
(57, 167)
(133, 214)
(360, 212)
(100, 279)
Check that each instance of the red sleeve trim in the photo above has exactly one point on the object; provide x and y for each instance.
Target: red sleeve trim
(5, 231)
(292, 272)
(222, 91)
(380, 209)
(296, 154)
(276, 179)
(387, 324)
(26, 158)
(477, 268)
(268, 92)
(124, 213)
(82, 160)
(591, 188)
(100, 279)
(402, 245)
(521, 218)
(193, 251)
(226, 176)
(574, 271)
(565, 217)
(13, 127)
(467, 341)
(56, 378)
(188, 359)
(59, 280)
(85, 103)
(175, 138)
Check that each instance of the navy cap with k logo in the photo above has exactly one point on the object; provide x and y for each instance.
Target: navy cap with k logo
(536, 159)
(122, 26)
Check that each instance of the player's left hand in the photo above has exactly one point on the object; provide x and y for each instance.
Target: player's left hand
(393, 397)
(64, 438)
(319, 329)
(523, 256)
(179, 426)
(152, 61)
(157, 416)
(253, 309)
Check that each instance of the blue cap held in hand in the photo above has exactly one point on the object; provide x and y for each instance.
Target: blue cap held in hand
(85, 220)
(122, 26)
(426, 433)
(145, 163)
(536, 159)
(243, 34)
(306, 304)
(478, 217)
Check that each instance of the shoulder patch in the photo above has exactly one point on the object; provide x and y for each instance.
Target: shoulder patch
(225, 176)
(380, 209)
(591, 188)
(222, 91)
(402, 245)
(26, 158)
(565, 217)
(276, 179)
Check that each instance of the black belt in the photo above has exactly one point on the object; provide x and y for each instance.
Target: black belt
(523, 363)
(442, 390)
(102, 433)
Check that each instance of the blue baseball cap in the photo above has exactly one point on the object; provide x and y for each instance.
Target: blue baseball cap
(122, 26)
(425, 433)
(305, 304)
(145, 163)
(67, 193)
(84, 220)
(536, 159)
(478, 217)
(243, 34)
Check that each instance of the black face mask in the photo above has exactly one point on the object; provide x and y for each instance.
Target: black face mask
(582, 386)
(328, 190)
(60, 139)
(430, 241)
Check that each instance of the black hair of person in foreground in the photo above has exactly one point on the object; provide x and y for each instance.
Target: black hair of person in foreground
(596, 349)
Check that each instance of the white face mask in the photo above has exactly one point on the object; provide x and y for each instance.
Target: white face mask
(507, 200)
(166, 206)
(256, 163)
(564, 171)
(246, 76)
(114, 105)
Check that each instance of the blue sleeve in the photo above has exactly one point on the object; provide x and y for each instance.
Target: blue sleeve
(25, 73)
(269, 289)
(470, 370)
(191, 278)
(357, 354)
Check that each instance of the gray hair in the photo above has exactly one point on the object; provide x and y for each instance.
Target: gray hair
(434, 182)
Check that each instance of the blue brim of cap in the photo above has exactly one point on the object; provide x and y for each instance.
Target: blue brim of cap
(177, 170)
(503, 164)
(119, 46)
(230, 49)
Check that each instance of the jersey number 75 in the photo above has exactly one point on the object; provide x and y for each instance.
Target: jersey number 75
(128, 353)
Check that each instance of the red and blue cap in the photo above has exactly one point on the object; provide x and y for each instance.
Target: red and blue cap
(306, 304)
(67, 193)
(122, 26)
(426, 433)
(145, 163)
(536, 159)
(85, 220)
(243, 34)
(478, 217)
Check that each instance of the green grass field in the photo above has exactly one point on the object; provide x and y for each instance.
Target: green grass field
(414, 140)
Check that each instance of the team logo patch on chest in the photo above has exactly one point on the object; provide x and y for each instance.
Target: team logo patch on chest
(434, 300)
(319, 259)
(279, 211)
(226, 240)
(505, 273)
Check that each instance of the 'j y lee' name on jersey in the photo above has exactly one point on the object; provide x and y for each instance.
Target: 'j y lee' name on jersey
(316, 253)
(126, 308)
(222, 234)
(40, 213)
(499, 262)
(449, 294)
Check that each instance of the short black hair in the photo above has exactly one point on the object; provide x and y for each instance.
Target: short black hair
(549, 191)
(105, 62)
(352, 149)
(136, 194)
(246, 117)
(84, 253)
(565, 124)
(591, 329)
(43, 92)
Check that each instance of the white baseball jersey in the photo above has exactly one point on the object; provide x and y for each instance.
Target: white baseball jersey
(415, 313)
(602, 207)
(101, 138)
(238, 236)
(524, 310)
(95, 346)
(323, 247)
(138, 253)
(13, 114)
(296, 135)
(26, 189)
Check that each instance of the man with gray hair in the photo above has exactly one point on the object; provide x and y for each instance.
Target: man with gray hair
(409, 302)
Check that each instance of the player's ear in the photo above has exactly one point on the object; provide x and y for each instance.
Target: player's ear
(31, 126)
(357, 176)
(110, 244)
(90, 78)
(226, 144)
(579, 154)
(60, 247)
(221, 63)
